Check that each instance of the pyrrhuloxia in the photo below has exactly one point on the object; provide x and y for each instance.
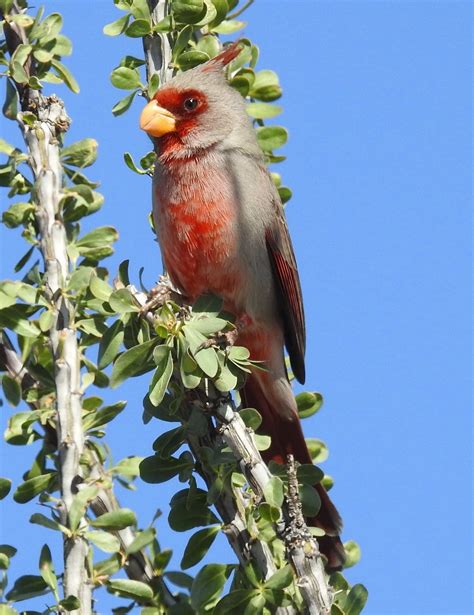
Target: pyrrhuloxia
(222, 229)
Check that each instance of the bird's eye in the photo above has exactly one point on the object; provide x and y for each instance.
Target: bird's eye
(190, 104)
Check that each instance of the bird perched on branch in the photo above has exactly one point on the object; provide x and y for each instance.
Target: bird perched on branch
(222, 230)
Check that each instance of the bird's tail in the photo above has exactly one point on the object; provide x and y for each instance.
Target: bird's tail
(269, 396)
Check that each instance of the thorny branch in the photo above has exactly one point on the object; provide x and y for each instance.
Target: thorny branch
(138, 566)
(301, 547)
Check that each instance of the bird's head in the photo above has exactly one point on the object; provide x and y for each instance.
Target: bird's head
(197, 110)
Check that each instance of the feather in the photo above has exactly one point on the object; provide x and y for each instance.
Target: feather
(285, 271)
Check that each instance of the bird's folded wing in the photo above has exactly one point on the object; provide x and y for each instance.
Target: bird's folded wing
(285, 271)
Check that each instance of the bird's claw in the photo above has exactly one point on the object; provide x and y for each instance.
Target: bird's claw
(222, 338)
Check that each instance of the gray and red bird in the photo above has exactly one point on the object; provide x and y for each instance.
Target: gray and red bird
(222, 230)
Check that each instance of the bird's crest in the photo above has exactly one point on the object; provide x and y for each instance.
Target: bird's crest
(226, 56)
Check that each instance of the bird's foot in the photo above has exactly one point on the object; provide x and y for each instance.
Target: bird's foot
(161, 293)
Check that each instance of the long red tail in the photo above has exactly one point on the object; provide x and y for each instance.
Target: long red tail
(287, 438)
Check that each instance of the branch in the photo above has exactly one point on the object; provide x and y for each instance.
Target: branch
(138, 566)
(302, 548)
(43, 140)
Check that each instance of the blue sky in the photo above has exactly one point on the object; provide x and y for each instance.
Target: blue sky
(377, 102)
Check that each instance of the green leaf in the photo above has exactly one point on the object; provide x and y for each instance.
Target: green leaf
(11, 390)
(280, 579)
(140, 9)
(17, 214)
(115, 520)
(47, 569)
(65, 75)
(153, 85)
(129, 466)
(207, 360)
(235, 602)
(132, 362)
(188, 11)
(309, 474)
(198, 545)
(27, 586)
(138, 28)
(81, 500)
(141, 540)
(262, 442)
(122, 301)
(210, 305)
(251, 417)
(109, 566)
(99, 288)
(181, 579)
(63, 46)
(269, 513)
(310, 500)
(308, 403)
(71, 603)
(8, 550)
(103, 416)
(168, 443)
(32, 487)
(229, 26)
(130, 589)
(273, 492)
(182, 41)
(39, 519)
(208, 586)
(263, 111)
(97, 238)
(155, 469)
(80, 154)
(317, 449)
(190, 59)
(123, 104)
(271, 137)
(105, 541)
(285, 194)
(327, 482)
(116, 27)
(110, 344)
(356, 600)
(5, 486)
(208, 325)
(353, 553)
(125, 78)
(162, 375)
(11, 318)
(266, 86)
(209, 43)
(10, 106)
(4, 563)
(186, 514)
(131, 164)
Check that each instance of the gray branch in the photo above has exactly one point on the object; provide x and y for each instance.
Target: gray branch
(43, 141)
(138, 566)
(302, 548)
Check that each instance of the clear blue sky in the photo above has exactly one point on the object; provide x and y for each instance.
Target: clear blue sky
(377, 101)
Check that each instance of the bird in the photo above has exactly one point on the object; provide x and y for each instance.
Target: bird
(221, 228)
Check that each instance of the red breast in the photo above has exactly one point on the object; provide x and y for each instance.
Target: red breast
(198, 230)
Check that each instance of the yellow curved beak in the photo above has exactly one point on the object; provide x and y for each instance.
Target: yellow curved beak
(157, 121)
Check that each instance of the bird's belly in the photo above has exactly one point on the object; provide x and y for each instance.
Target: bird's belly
(199, 247)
